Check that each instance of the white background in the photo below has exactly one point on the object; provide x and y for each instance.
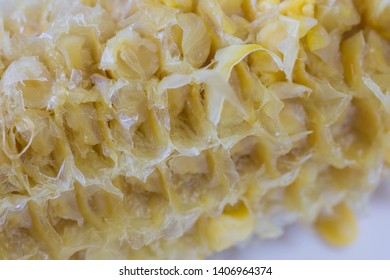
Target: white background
(373, 241)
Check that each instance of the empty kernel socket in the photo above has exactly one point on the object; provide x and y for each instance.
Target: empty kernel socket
(173, 129)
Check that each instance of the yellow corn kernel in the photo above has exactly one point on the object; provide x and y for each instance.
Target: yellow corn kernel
(352, 50)
(290, 119)
(234, 224)
(43, 232)
(317, 38)
(293, 194)
(70, 46)
(185, 5)
(231, 7)
(338, 228)
(298, 7)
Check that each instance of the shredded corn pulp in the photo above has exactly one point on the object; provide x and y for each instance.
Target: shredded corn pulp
(177, 128)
